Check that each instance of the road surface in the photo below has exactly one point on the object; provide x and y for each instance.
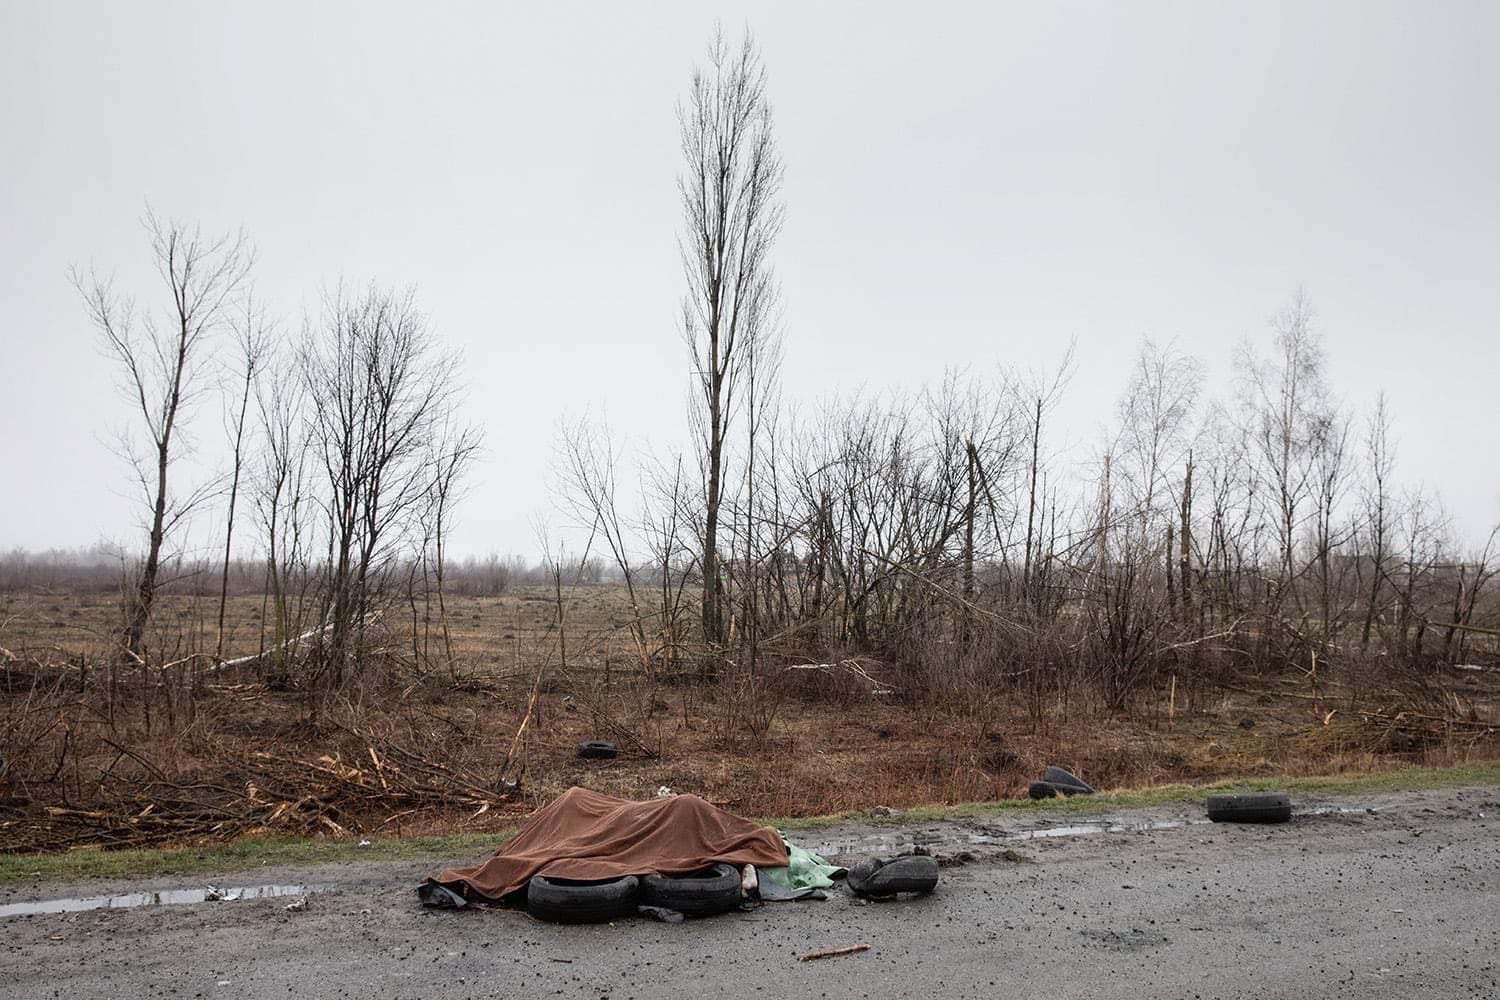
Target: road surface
(1400, 902)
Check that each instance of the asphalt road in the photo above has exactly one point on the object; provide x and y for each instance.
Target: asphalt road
(1401, 902)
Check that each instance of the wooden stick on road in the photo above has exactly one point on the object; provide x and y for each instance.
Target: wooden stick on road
(833, 952)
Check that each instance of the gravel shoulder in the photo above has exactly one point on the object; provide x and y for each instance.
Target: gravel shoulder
(1399, 901)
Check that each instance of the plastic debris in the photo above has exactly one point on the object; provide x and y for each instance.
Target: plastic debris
(661, 913)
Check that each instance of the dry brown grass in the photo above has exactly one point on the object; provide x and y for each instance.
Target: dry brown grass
(828, 747)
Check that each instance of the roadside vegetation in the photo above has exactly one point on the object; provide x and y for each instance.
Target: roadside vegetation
(249, 853)
(901, 597)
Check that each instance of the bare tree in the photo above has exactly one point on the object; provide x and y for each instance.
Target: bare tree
(1154, 414)
(588, 474)
(454, 449)
(1228, 546)
(283, 502)
(163, 366)
(1287, 407)
(1377, 502)
(1042, 393)
(664, 529)
(1473, 574)
(730, 187)
(1330, 474)
(379, 387)
(253, 333)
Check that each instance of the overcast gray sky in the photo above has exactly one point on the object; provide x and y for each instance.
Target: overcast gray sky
(966, 185)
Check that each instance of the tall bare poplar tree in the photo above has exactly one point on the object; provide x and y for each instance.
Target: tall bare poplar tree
(731, 214)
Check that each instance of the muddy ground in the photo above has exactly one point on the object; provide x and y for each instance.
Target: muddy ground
(1396, 902)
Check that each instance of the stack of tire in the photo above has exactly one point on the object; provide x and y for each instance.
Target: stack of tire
(713, 890)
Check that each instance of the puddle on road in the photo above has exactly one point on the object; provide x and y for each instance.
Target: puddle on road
(1084, 830)
(166, 897)
(897, 843)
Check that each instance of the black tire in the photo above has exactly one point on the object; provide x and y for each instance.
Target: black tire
(1051, 789)
(1042, 790)
(713, 890)
(598, 750)
(1250, 807)
(1065, 779)
(566, 901)
(913, 873)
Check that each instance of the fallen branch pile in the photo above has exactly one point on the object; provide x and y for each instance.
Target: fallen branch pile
(1408, 731)
(332, 795)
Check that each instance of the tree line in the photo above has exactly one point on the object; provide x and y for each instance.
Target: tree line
(934, 530)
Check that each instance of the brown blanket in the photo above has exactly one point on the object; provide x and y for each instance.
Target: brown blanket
(587, 835)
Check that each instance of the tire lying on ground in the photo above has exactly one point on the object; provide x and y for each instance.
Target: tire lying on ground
(1066, 781)
(1250, 807)
(567, 901)
(913, 873)
(1043, 790)
(1052, 789)
(598, 750)
(701, 894)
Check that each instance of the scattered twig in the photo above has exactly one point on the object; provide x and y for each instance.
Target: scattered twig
(833, 952)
